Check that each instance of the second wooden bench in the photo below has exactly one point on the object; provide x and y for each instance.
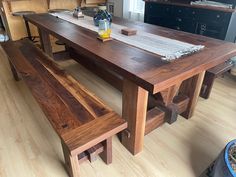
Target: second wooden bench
(211, 75)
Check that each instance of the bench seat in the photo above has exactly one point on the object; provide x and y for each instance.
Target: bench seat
(84, 124)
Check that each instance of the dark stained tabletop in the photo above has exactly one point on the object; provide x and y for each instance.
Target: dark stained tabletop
(144, 68)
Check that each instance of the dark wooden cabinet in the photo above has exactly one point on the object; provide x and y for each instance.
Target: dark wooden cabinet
(213, 23)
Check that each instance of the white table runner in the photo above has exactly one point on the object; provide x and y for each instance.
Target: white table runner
(169, 49)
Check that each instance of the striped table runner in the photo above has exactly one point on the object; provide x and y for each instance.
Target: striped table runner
(169, 49)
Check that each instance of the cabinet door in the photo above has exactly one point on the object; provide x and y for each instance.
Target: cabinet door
(212, 23)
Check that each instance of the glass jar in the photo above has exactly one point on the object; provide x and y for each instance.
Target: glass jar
(104, 29)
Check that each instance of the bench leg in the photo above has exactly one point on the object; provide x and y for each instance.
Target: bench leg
(71, 162)
(14, 72)
(106, 155)
(207, 85)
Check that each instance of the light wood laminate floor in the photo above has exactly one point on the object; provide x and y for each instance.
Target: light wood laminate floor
(30, 148)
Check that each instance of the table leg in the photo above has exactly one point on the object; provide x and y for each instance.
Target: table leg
(207, 85)
(45, 42)
(191, 88)
(134, 111)
(106, 155)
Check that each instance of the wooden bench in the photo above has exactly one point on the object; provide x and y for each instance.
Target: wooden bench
(211, 75)
(84, 124)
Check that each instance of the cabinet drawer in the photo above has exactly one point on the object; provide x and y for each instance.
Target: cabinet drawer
(211, 16)
(180, 24)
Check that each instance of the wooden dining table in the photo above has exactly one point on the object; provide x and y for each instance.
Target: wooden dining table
(154, 91)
